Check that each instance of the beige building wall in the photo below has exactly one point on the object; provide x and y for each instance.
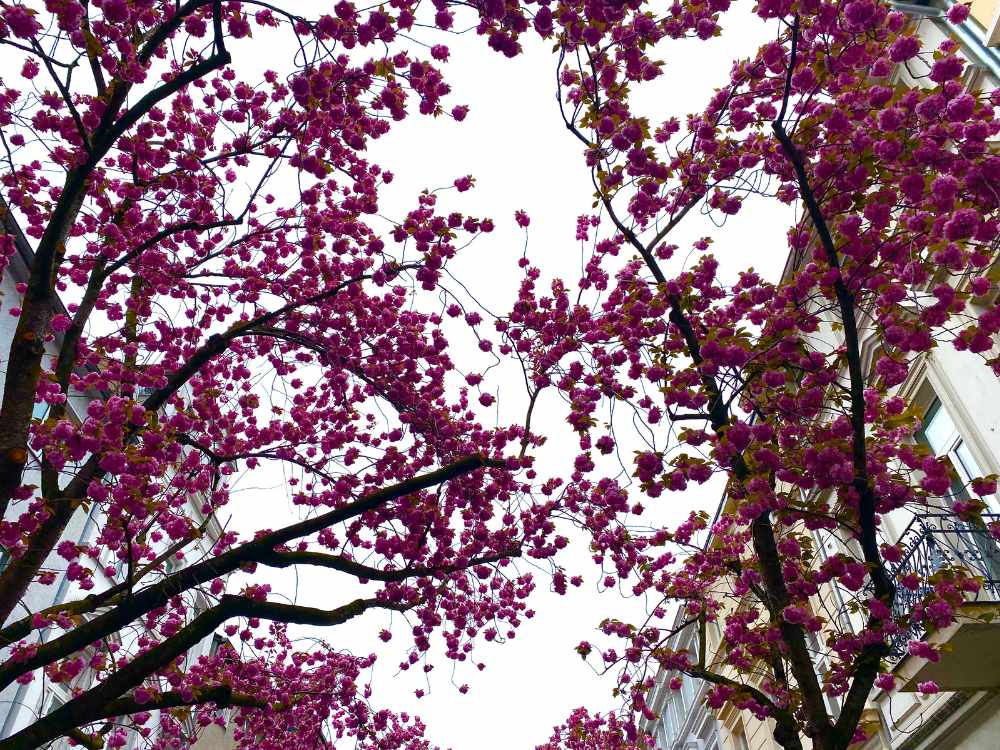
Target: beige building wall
(984, 11)
(214, 737)
(742, 731)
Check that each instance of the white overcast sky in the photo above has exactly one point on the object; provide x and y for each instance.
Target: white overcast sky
(514, 143)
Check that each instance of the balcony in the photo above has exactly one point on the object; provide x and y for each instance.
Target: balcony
(970, 658)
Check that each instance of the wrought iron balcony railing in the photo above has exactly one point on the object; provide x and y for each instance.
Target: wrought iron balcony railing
(935, 541)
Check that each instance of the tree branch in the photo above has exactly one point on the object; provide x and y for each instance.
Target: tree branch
(221, 695)
(23, 366)
(785, 732)
(158, 594)
(867, 665)
(358, 570)
(91, 705)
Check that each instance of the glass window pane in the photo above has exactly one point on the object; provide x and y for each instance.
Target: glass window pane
(39, 410)
(709, 731)
(965, 464)
(938, 429)
(687, 690)
(676, 714)
(669, 724)
(661, 736)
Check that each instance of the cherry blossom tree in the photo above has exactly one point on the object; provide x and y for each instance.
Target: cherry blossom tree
(208, 275)
(586, 731)
(786, 388)
(232, 300)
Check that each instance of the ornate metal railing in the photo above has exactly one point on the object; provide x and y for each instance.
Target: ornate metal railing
(935, 541)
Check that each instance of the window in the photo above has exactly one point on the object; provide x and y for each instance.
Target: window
(820, 662)
(40, 410)
(669, 721)
(217, 643)
(661, 737)
(687, 691)
(940, 434)
(55, 701)
(709, 734)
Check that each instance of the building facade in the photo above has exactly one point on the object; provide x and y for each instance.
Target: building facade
(958, 398)
(684, 722)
